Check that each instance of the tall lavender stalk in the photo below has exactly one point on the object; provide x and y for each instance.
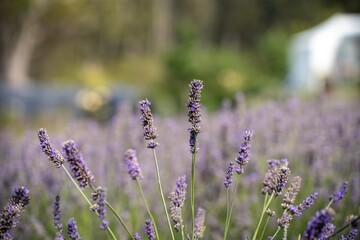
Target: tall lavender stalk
(150, 135)
(177, 200)
(57, 219)
(242, 159)
(194, 114)
(134, 171)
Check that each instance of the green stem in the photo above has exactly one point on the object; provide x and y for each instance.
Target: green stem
(262, 215)
(192, 192)
(227, 212)
(161, 193)
(231, 205)
(87, 200)
(344, 227)
(263, 231)
(328, 206)
(148, 209)
(277, 231)
(182, 228)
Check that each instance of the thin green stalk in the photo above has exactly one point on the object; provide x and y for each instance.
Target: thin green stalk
(161, 193)
(231, 206)
(277, 231)
(262, 215)
(227, 212)
(344, 227)
(182, 228)
(192, 192)
(148, 209)
(328, 206)
(116, 215)
(87, 200)
(263, 231)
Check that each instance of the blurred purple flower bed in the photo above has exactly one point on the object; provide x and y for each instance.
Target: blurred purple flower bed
(320, 139)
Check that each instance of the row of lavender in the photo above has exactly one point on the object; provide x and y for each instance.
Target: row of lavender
(321, 141)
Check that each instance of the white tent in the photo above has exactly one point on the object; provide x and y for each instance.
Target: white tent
(329, 52)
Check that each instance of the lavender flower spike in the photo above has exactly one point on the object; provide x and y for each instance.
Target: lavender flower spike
(100, 196)
(290, 195)
(57, 219)
(47, 148)
(351, 235)
(339, 194)
(199, 223)
(194, 111)
(133, 166)
(78, 166)
(148, 123)
(229, 175)
(150, 232)
(307, 203)
(316, 225)
(72, 230)
(276, 177)
(10, 217)
(137, 236)
(244, 152)
(328, 230)
(177, 199)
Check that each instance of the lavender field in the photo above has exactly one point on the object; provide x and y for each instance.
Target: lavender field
(320, 139)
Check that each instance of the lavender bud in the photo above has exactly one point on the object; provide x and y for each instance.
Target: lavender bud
(47, 148)
(147, 120)
(150, 232)
(77, 164)
(276, 177)
(229, 174)
(337, 196)
(351, 235)
(177, 199)
(290, 195)
(199, 223)
(316, 225)
(328, 230)
(244, 151)
(194, 112)
(100, 196)
(307, 203)
(11, 214)
(57, 218)
(270, 213)
(72, 230)
(284, 221)
(137, 236)
(133, 166)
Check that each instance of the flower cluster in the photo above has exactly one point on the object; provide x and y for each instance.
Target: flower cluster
(77, 164)
(317, 225)
(57, 219)
(99, 196)
(339, 194)
(229, 174)
(150, 232)
(276, 177)
(132, 163)
(147, 120)
(47, 148)
(72, 230)
(307, 203)
(11, 214)
(177, 199)
(194, 111)
(244, 152)
(290, 195)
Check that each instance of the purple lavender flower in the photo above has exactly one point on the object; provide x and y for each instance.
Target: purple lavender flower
(100, 196)
(57, 219)
(77, 164)
(276, 177)
(339, 194)
(351, 235)
(284, 221)
(327, 231)
(290, 195)
(244, 151)
(148, 123)
(150, 232)
(316, 225)
(177, 199)
(199, 223)
(307, 203)
(229, 174)
(137, 236)
(11, 214)
(133, 166)
(72, 230)
(47, 148)
(194, 112)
